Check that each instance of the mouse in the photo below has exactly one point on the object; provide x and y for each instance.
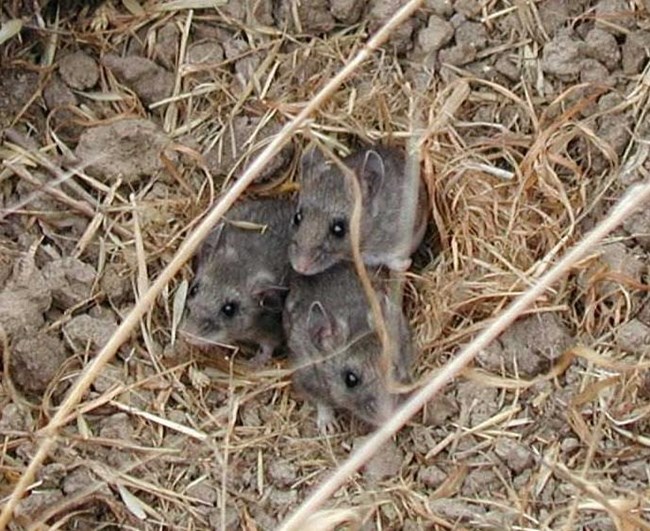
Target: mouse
(241, 274)
(393, 220)
(335, 352)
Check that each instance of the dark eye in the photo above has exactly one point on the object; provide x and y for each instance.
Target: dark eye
(351, 379)
(230, 309)
(338, 228)
(194, 289)
(297, 217)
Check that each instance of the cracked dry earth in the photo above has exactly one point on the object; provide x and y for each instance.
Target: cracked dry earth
(123, 121)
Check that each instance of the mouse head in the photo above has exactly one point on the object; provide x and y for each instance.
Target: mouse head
(321, 223)
(226, 301)
(350, 367)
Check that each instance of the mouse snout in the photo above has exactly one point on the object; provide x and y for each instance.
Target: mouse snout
(302, 263)
(378, 410)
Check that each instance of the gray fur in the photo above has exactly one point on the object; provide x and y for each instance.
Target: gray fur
(329, 333)
(247, 267)
(393, 220)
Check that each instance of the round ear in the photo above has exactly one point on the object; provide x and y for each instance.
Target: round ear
(311, 160)
(372, 173)
(323, 328)
(209, 245)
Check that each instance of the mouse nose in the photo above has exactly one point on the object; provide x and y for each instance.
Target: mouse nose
(301, 264)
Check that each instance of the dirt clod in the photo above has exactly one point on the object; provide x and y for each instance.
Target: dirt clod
(147, 79)
(384, 464)
(36, 360)
(128, 149)
(79, 71)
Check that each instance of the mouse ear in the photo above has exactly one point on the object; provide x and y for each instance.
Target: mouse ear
(267, 293)
(311, 159)
(371, 173)
(209, 245)
(322, 326)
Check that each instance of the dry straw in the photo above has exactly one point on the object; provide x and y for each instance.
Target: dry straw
(92, 370)
(635, 197)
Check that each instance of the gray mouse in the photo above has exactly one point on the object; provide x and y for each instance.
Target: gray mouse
(335, 354)
(393, 221)
(241, 279)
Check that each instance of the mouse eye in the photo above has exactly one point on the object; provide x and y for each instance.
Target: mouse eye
(230, 309)
(351, 379)
(297, 217)
(338, 228)
(194, 289)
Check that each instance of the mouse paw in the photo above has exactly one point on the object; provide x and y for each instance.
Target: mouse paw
(398, 263)
(326, 420)
(262, 357)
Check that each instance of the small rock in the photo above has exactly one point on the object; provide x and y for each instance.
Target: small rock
(635, 52)
(51, 475)
(634, 336)
(562, 56)
(347, 11)
(147, 79)
(115, 285)
(481, 401)
(108, 378)
(591, 71)
(386, 463)
(204, 491)
(505, 67)
(57, 94)
(167, 42)
(70, 280)
(638, 470)
(619, 259)
(472, 34)
(314, 16)
(468, 8)
(36, 503)
(79, 479)
(283, 474)
(614, 12)
(246, 63)
(553, 14)
(442, 8)
(83, 331)
(458, 55)
(283, 499)
(36, 360)
(514, 454)
(117, 426)
(570, 444)
(379, 11)
(436, 35)
(480, 480)
(439, 410)
(79, 71)
(602, 45)
(615, 130)
(638, 226)
(210, 52)
(129, 149)
(431, 477)
(456, 511)
(16, 418)
(251, 13)
(529, 346)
